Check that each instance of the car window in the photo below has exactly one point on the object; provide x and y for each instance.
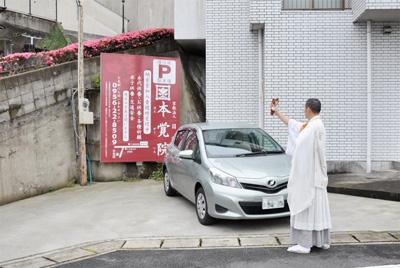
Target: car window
(233, 142)
(180, 139)
(192, 142)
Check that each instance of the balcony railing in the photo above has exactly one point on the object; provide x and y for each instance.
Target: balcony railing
(316, 4)
(38, 8)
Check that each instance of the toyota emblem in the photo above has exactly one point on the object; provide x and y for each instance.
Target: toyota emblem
(271, 183)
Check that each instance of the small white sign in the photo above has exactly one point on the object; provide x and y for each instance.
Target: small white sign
(164, 71)
(273, 202)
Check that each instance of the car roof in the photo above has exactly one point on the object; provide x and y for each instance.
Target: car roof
(220, 125)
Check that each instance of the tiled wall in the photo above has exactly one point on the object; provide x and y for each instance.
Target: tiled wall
(385, 93)
(231, 63)
(320, 54)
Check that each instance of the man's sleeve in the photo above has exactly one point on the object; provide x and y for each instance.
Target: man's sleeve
(294, 127)
(320, 161)
(294, 130)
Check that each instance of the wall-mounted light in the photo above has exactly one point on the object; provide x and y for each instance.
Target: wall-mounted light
(387, 29)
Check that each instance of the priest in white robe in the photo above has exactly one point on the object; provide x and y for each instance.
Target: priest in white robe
(308, 198)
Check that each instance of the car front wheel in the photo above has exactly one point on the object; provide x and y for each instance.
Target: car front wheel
(202, 208)
(169, 191)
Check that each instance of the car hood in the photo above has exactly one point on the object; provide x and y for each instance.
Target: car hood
(254, 167)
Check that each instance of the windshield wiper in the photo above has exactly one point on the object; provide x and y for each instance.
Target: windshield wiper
(251, 154)
(275, 152)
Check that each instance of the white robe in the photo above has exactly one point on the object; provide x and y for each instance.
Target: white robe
(308, 199)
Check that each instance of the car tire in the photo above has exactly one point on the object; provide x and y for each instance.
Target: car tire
(169, 191)
(202, 208)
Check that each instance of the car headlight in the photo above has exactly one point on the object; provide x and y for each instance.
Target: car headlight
(220, 177)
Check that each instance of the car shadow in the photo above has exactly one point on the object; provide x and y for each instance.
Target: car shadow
(281, 225)
(253, 225)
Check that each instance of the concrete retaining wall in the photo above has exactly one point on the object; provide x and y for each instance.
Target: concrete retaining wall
(37, 146)
(37, 151)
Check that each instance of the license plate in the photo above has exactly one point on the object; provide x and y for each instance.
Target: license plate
(273, 202)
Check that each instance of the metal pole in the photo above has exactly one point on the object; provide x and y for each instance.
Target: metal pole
(56, 10)
(123, 16)
(81, 94)
(30, 8)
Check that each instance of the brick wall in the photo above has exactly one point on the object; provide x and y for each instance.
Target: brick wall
(383, 4)
(232, 63)
(318, 54)
(385, 93)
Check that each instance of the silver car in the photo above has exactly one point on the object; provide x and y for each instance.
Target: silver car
(228, 170)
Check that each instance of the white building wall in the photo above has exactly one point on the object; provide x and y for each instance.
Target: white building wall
(94, 15)
(383, 4)
(320, 54)
(232, 63)
(144, 14)
(385, 93)
(190, 19)
(358, 7)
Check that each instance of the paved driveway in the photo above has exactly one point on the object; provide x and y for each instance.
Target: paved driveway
(116, 210)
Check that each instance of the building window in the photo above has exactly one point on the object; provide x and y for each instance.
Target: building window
(316, 4)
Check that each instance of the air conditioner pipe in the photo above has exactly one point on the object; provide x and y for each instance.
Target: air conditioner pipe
(260, 81)
(369, 97)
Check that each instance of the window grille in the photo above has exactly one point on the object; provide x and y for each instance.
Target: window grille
(316, 4)
(46, 9)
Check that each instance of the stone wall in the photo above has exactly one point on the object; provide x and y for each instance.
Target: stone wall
(37, 144)
(36, 141)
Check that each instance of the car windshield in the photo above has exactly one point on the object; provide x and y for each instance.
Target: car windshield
(240, 142)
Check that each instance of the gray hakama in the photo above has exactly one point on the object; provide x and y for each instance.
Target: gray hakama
(311, 226)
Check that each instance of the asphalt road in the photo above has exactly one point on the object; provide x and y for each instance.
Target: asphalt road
(366, 255)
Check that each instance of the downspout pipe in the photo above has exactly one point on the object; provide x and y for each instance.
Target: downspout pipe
(260, 80)
(369, 97)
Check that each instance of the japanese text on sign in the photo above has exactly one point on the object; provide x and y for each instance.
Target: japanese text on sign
(140, 99)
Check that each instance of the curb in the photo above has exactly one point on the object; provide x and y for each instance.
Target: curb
(88, 250)
(357, 189)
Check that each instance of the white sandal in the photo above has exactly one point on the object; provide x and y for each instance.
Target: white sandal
(299, 249)
(326, 246)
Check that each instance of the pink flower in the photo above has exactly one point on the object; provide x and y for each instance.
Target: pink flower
(91, 48)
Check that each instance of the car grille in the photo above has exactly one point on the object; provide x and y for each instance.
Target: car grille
(264, 189)
(255, 208)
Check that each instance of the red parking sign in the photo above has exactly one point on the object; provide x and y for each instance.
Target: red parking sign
(140, 98)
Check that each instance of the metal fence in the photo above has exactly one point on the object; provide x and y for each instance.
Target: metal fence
(46, 9)
(316, 4)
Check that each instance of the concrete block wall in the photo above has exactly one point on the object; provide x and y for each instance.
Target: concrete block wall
(320, 54)
(36, 130)
(34, 117)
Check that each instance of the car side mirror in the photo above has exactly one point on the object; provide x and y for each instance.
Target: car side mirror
(186, 154)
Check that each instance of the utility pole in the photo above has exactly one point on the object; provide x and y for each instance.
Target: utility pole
(81, 94)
